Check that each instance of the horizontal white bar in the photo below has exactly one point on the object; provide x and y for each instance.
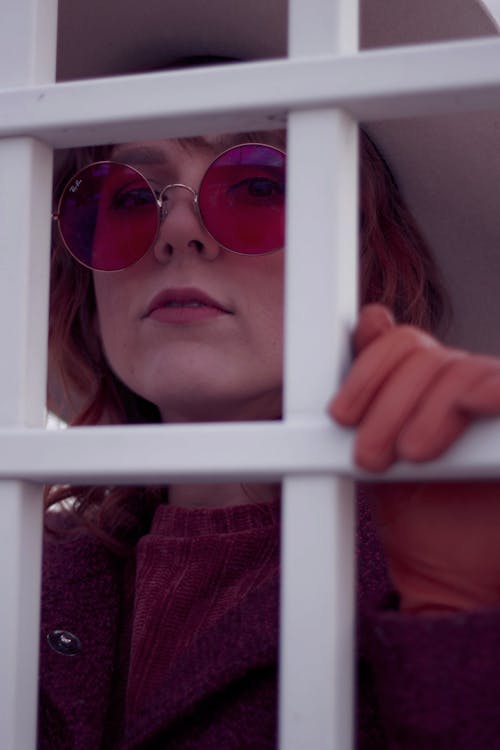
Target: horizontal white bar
(167, 453)
(388, 83)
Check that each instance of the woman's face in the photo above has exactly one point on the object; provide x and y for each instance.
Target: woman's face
(193, 328)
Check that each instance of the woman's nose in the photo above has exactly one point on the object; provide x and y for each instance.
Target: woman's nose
(181, 230)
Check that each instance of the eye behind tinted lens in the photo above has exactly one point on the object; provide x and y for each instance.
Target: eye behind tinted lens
(258, 189)
(242, 199)
(130, 198)
(108, 216)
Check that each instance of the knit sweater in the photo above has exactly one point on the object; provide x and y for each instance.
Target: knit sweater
(189, 661)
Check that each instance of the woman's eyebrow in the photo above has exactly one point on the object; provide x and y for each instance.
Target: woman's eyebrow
(139, 155)
(226, 141)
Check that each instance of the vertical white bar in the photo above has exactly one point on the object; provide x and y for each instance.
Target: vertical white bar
(321, 259)
(322, 27)
(27, 56)
(25, 210)
(317, 620)
(25, 169)
(317, 608)
(19, 625)
(28, 35)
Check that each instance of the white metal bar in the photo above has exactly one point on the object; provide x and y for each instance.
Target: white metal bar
(317, 616)
(446, 78)
(25, 166)
(27, 57)
(27, 42)
(321, 275)
(317, 579)
(380, 84)
(20, 561)
(322, 27)
(492, 7)
(321, 299)
(25, 207)
(162, 453)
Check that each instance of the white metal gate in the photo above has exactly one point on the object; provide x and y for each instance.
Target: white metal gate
(322, 90)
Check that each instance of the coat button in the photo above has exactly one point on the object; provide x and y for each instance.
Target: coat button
(64, 642)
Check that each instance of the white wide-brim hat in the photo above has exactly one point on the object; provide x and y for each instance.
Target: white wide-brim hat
(448, 167)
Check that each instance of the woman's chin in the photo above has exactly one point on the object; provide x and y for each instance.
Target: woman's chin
(221, 407)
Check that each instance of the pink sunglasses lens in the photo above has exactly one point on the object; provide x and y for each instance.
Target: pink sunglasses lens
(242, 199)
(108, 216)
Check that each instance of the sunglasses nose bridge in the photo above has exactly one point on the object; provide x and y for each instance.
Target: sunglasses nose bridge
(164, 202)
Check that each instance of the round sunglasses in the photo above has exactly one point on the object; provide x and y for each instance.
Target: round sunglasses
(109, 214)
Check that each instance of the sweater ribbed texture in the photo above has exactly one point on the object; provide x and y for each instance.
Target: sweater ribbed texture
(193, 571)
(205, 679)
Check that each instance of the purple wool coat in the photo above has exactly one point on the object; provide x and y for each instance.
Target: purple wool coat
(423, 683)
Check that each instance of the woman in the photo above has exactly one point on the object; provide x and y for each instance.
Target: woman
(167, 597)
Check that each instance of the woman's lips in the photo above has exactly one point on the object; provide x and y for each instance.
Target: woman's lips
(185, 305)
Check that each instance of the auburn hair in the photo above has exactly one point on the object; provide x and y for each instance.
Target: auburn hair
(396, 269)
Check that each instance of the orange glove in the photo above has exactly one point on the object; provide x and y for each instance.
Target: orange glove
(410, 398)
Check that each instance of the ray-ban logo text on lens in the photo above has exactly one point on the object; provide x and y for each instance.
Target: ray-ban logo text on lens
(75, 186)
